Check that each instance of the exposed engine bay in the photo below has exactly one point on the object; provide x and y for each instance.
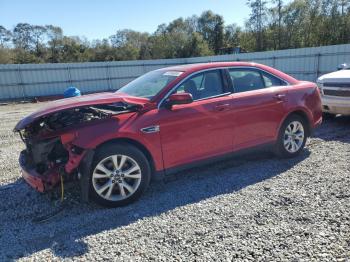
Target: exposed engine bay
(62, 119)
(43, 138)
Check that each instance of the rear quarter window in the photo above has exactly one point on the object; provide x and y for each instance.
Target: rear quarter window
(271, 80)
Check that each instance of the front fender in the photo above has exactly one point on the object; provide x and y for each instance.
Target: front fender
(90, 137)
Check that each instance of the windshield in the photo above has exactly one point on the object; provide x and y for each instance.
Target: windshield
(150, 84)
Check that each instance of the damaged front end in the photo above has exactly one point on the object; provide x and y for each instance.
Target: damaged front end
(50, 152)
(40, 168)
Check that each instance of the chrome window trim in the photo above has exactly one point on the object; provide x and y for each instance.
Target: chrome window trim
(205, 98)
(212, 69)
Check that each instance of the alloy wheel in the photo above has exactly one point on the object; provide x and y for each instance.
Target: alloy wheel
(294, 137)
(116, 177)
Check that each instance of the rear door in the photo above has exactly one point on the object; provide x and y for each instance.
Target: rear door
(259, 105)
(201, 129)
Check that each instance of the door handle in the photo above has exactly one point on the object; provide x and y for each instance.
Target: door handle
(222, 107)
(280, 97)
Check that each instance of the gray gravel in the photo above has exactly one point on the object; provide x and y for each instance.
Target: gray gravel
(255, 207)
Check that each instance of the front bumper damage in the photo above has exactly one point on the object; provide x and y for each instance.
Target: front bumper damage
(47, 180)
(40, 182)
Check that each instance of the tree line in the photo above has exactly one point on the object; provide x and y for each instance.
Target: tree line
(271, 25)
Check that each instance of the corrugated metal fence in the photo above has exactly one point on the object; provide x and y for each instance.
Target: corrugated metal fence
(30, 80)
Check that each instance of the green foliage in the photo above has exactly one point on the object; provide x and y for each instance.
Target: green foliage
(5, 36)
(257, 22)
(196, 46)
(211, 27)
(271, 25)
(6, 56)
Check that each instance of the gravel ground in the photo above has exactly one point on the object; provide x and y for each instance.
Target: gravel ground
(255, 207)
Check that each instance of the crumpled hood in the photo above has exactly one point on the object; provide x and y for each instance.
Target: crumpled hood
(342, 76)
(75, 102)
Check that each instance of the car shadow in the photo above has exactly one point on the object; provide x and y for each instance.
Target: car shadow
(63, 234)
(334, 129)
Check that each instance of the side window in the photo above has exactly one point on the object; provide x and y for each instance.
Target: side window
(271, 80)
(203, 85)
(246, 80)
(192, 86)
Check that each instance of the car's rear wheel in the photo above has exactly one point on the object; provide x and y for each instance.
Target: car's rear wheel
(120, 173)
(292, 137)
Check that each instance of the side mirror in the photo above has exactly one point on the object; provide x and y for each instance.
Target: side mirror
(179, 99)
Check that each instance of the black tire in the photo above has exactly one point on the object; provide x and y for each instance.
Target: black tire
(129, 151)
(279, 149)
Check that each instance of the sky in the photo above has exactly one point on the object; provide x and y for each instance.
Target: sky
(99, 19)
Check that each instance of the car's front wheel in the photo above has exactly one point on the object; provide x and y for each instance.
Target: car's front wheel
(292, 137)
(120, 173)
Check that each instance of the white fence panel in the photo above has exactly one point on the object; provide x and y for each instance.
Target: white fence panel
(31, 80)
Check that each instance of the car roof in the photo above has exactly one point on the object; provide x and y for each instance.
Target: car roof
(209, 65)
(191, 68)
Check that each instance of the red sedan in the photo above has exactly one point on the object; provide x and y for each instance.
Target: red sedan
(162, 122)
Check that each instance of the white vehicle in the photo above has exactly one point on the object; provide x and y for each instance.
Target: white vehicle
(335, 91)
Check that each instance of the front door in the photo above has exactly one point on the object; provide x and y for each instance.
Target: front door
(201, 129)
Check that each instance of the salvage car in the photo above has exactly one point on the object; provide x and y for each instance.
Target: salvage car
(163, 122)
(335, 91)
